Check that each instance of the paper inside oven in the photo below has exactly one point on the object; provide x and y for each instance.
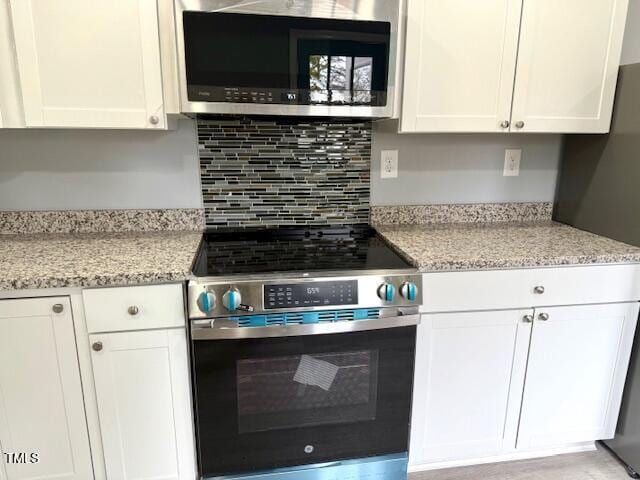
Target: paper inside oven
(312, 371)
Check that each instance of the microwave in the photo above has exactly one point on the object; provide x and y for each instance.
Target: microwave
(320, 58)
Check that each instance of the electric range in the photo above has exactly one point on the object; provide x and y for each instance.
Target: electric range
(303, 344)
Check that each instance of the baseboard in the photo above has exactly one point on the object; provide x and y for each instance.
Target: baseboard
(506, 457)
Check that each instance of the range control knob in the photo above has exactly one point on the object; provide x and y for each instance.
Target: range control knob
(386, 292)
(206, 302)
(409, 290)
(232, 299)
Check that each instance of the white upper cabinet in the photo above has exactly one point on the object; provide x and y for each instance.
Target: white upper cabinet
(576, 372)
(568, 65)
(41, 405)
(459, 65)
(511, 65)
(89, 64)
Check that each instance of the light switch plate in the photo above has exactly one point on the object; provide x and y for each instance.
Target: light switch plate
(512, 163)
(389, 164)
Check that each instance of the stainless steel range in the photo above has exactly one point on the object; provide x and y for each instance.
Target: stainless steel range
(303, 345)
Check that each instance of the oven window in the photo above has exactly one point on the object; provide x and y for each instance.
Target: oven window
(306, 390)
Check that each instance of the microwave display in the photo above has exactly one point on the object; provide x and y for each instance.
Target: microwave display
(270, 59)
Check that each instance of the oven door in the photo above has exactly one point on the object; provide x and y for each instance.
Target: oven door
(267, 403)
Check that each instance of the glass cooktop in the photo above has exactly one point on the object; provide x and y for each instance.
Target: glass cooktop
(295, 249)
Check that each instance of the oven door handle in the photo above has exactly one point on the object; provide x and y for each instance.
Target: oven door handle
(220, 329)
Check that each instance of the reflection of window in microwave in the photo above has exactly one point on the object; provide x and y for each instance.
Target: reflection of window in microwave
(319, 78)
(340, 79)
(362, 71)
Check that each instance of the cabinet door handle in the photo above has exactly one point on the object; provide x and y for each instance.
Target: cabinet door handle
(543, 317)
(520, 124)
(527, 319)
(57, 308)
(505, 124)
(96, 346)
(539, 289)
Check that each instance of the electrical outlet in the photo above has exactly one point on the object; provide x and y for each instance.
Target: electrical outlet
(512, 163)
(389, 164)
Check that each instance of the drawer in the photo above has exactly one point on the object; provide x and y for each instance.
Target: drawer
(134, 308)
(498, 289)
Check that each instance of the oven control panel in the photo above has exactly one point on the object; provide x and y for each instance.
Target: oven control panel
(295, 295)
(224, 298)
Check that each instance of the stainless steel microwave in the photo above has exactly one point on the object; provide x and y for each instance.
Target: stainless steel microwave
(287, 57)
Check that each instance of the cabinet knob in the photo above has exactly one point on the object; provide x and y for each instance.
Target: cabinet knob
(543, 316)
(505, 124)
(96, 346)
(539, 289)
(520, 124)
(133, 310)
(527, 319)
(154, 119)
(57, 308)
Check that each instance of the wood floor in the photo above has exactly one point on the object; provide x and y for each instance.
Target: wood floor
(598, 465)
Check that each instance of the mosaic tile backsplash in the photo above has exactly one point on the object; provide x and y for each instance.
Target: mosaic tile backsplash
(270, 172)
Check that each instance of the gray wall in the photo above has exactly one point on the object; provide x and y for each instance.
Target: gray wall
(99, 169)
(49, 169)
(463, 168)
(631, 46)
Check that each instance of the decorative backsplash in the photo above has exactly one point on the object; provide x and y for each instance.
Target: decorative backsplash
(269, 172)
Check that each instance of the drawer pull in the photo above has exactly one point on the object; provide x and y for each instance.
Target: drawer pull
(133, 310)
(543, 317)
(539, 289)
(96, 346)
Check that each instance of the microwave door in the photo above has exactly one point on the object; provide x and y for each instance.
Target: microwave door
(272, 64)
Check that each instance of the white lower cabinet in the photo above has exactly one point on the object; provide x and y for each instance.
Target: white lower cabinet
(470, 370)
(492, 383)
(43, 428)
(576, 373)
(142, 386)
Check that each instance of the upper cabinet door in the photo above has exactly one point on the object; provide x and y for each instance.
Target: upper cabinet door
(89, 64)
(460, 59)
(41, 404)
(576, 373)
(568, 65)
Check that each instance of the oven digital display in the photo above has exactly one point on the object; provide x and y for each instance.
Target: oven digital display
(317, 294)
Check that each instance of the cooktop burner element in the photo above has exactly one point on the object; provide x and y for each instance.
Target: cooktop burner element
(295, 249)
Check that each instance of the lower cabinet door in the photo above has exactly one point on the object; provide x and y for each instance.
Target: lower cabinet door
(142, 387)
(43, 428)
(469, 377)
(576, 373)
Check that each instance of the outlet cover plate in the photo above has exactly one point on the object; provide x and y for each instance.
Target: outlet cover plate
(389, 164)
(512, 163)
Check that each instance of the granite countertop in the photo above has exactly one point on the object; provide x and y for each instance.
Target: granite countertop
(95, 259)
(472, 246)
